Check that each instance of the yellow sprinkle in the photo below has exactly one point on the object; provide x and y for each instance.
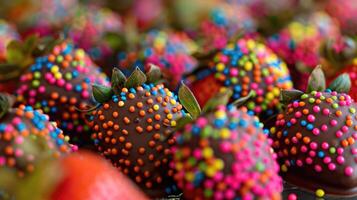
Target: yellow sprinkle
(220, 67)
(173, 123)
(178, 166)
(218, 164)
(189, 176)
(54, 69)
(320, 193)
(276, 92)
(58, 75)
(207, 152)
(248, 66)
(284, 168)
(272, 130)
(173, 101)
(220, 114)
(225, 133)
(210, 171)
(250, 44)
(169, 116)
(270, 96)
(121, 103)
(156, 107)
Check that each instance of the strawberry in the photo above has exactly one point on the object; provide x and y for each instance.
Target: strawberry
(223, 154)
(244, 66)
(26, 136)
(78, 176)
(133, 127)
(59, 83)
(97, 180)
(314, 137)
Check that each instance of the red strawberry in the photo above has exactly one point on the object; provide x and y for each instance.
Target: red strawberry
(86, 177)
(78, 176)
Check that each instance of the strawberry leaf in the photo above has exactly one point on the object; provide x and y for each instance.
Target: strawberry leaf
(118, 79)
(154, 74)
(221, 98)
(102, 93)
(341, 84)
(316, 80)
(137, 78)
(188, 101)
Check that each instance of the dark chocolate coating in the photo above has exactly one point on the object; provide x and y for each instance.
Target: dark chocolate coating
(315, 141)
(135, 131)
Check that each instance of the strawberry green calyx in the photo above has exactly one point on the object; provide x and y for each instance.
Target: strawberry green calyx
(317, 81)
(189, 101)
(6, 102)
(137, 78)
(341, 84)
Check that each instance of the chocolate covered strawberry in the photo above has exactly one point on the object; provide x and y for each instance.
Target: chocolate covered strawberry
(315, 137)
(133, 127)
(223, 154)
(60, 83)
(26, 137)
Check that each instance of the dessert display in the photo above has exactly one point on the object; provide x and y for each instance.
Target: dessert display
(208, 99)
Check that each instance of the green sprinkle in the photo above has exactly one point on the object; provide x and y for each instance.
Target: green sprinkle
(304, 96)
(332, 150)
(352, 110)
(311, 100)
(260, 166)
(208, 193)
(335, 105)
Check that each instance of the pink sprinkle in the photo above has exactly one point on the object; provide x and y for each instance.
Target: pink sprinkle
(292, 196)
(324, 128)
(19, 140)
(324, 145)
(340, 150)
(293, 120)
(311, 118)
(316, 109)
(317, 168)
(339, 134)
(348, 171)
(296, 104)
(201, 122)
(299, 163)
(313, 145)
(18, 152)
(85, 94)
(312, 153)
(41, 89)
(303, 149)
(333, 122)
(61, 82)
(197, 153)
(316, 131)
(2, 160)
(326, 111)
(344, 129)
(308, 160)
(354, 150)
(298, 114)
(327, 160)
(234, 71)
(331, 167)
(340, 160)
